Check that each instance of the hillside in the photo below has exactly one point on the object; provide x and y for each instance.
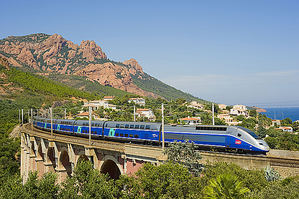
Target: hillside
(24, 90)
(84, 84)
(52, 55)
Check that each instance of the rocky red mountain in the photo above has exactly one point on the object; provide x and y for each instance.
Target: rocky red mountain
(44, 54)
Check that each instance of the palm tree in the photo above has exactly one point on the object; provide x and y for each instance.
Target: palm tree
(225, 186)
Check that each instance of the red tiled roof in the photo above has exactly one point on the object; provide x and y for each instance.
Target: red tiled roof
(144, 109)
(83, 114)
(189, 118)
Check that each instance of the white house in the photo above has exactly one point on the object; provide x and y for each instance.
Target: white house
(108, 98)
(222, 106)
(276, 122)
(191, 120)
(140, 101)
(226, 117)
(146, 113)
(196, 105)
(286, 129)
(96, 104)
(239, 110)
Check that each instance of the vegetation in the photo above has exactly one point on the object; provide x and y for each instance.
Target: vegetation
(151, 84)
(39, 84)
(277, 139)
(168, 180)
(225, 186)
(184, 153)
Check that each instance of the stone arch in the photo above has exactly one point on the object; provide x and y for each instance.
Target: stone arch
(51, 156)
(40, 154)
(64, 162)
(111, 167)
(82, 158)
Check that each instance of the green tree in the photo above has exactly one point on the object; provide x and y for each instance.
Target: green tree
(9, 165)
(284, 189)
(164, 181)
(185, 154)
(128, 187)
(286, 122)
(226, 186)
(87, 183)
(253, 179)
(12, 188)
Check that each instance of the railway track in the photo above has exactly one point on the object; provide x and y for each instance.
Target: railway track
(285, 161)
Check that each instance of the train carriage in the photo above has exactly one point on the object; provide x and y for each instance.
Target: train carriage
(227, 137)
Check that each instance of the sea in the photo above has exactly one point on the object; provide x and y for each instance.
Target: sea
(282, 113)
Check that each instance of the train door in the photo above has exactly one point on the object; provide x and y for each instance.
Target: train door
(229, 138)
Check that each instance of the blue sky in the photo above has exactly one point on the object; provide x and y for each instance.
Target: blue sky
(225, 51)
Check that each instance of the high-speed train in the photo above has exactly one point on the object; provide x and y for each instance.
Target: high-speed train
(224, 137)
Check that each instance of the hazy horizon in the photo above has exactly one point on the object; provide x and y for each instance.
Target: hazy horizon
(232, 52)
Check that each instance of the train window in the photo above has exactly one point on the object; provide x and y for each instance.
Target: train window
(116, 134)
(121, 135)
(126, 126)
(117, 125)
(136, 126)
(126, 135)
(131, 135)
(131, 126)
(239, 134)
(106, 125)
(136, 136)
(142, 126)
(122, 126)
(147, 127)
(205, 128)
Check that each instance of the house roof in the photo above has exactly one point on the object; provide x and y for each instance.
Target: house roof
(142, 109)
(134, 98)
(108, 97)
(190, 118)
(286, 127)
(83, 114)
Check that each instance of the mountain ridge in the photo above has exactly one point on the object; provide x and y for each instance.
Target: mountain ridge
(43, 53)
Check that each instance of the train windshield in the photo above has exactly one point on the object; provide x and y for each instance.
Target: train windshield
(250, 132)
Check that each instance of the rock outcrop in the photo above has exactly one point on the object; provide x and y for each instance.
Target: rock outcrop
(52, 53)
(111, 74)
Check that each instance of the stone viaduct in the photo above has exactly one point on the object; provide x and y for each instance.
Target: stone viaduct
(60, 153)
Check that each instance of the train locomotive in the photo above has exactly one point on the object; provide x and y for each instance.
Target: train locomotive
(210, 136)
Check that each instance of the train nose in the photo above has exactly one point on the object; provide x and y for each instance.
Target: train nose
(263, 145)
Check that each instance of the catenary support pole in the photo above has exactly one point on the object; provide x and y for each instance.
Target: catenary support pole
(213, 114)
(31, 120)
(22, 116)
(51, 116)
(89, 137)
(163, 139)
(134, 113)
